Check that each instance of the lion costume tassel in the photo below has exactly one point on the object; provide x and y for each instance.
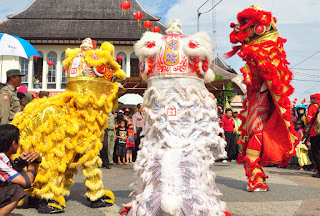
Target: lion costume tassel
(67, 129)
(267, 131)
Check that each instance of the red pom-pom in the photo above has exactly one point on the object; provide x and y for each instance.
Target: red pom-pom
(193, 44)
(151, 44)
(232, 25)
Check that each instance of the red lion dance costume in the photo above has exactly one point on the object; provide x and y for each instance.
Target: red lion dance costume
(267, 131)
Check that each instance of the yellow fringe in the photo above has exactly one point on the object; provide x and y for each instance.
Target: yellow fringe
(92, 172)
(60, 200)
(94, 185)
(94, 195)
(109, 194)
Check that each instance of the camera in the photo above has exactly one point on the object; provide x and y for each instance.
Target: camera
(19, 164)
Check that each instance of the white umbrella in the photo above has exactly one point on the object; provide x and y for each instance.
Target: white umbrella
(131, 99)
(15, 46)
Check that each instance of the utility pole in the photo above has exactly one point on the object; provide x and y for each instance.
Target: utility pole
(199, 13)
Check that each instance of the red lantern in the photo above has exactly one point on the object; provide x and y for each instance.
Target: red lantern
(125, 5)
(147, 24)
(138, 16)
(50, 63)
(36, 57)
(64, 69)
(296, 99)
(119, 58)
(156, 29)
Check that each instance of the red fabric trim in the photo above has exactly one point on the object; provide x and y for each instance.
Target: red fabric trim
(227, 213)
(253, 165)
(231, 53)
(258, 185)
(260, 57)
(126, 210)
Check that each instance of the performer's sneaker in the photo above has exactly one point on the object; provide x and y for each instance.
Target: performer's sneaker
(101, 202)
(50, 207)
(258, 189)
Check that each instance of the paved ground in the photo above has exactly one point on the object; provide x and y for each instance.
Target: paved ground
(292, 193)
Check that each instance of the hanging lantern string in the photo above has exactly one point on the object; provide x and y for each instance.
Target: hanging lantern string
(138, 15)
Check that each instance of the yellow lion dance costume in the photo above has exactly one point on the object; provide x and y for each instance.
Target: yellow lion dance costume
(67, 129)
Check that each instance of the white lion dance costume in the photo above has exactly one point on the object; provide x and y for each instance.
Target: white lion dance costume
(67, 129)
(181, 133)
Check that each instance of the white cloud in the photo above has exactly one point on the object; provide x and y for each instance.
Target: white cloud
(297, 22)
(9, 7)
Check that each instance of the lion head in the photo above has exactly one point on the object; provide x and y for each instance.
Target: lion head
(252, 22)
(87, 61)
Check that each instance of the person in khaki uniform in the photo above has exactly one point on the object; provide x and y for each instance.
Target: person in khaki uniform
(9, 101)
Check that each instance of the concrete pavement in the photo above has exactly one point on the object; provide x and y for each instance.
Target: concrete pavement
(292, 192)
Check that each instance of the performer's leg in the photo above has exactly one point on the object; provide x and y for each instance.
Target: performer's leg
(110, 145)
(228, 148)
(51, 194)
(254, 172)
(104, 150)
(137, 143)
(94, 184)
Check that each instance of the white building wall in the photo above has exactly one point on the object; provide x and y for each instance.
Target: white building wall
(9, 62)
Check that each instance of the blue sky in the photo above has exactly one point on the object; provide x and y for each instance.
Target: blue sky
(298, 22)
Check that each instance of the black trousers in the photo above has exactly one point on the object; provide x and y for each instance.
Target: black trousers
(231, 147)
(104, 150)
(137, 143)
(315, 150)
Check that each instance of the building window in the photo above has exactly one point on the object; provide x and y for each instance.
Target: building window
(52, 70)
(134, 65)
(63, 74)
(24, 65)
(37, 72)
(123, 62)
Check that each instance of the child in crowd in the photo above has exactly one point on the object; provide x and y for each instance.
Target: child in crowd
(23, 100)
(301, 148)
(121, 136)
(130, 142)
(300, 131)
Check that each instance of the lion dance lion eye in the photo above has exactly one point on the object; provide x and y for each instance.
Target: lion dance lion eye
(245, 21)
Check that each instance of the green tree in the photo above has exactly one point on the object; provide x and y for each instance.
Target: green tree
(227, 94)
(221, 98)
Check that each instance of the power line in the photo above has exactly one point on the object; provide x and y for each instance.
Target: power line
(305, 69)
(306, 80)
(306, 75)
(305, 59)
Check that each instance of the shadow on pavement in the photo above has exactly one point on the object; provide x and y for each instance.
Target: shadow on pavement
(122, 193)
(77, 191)
(231, 183)
(277, 192)
(293, 172)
